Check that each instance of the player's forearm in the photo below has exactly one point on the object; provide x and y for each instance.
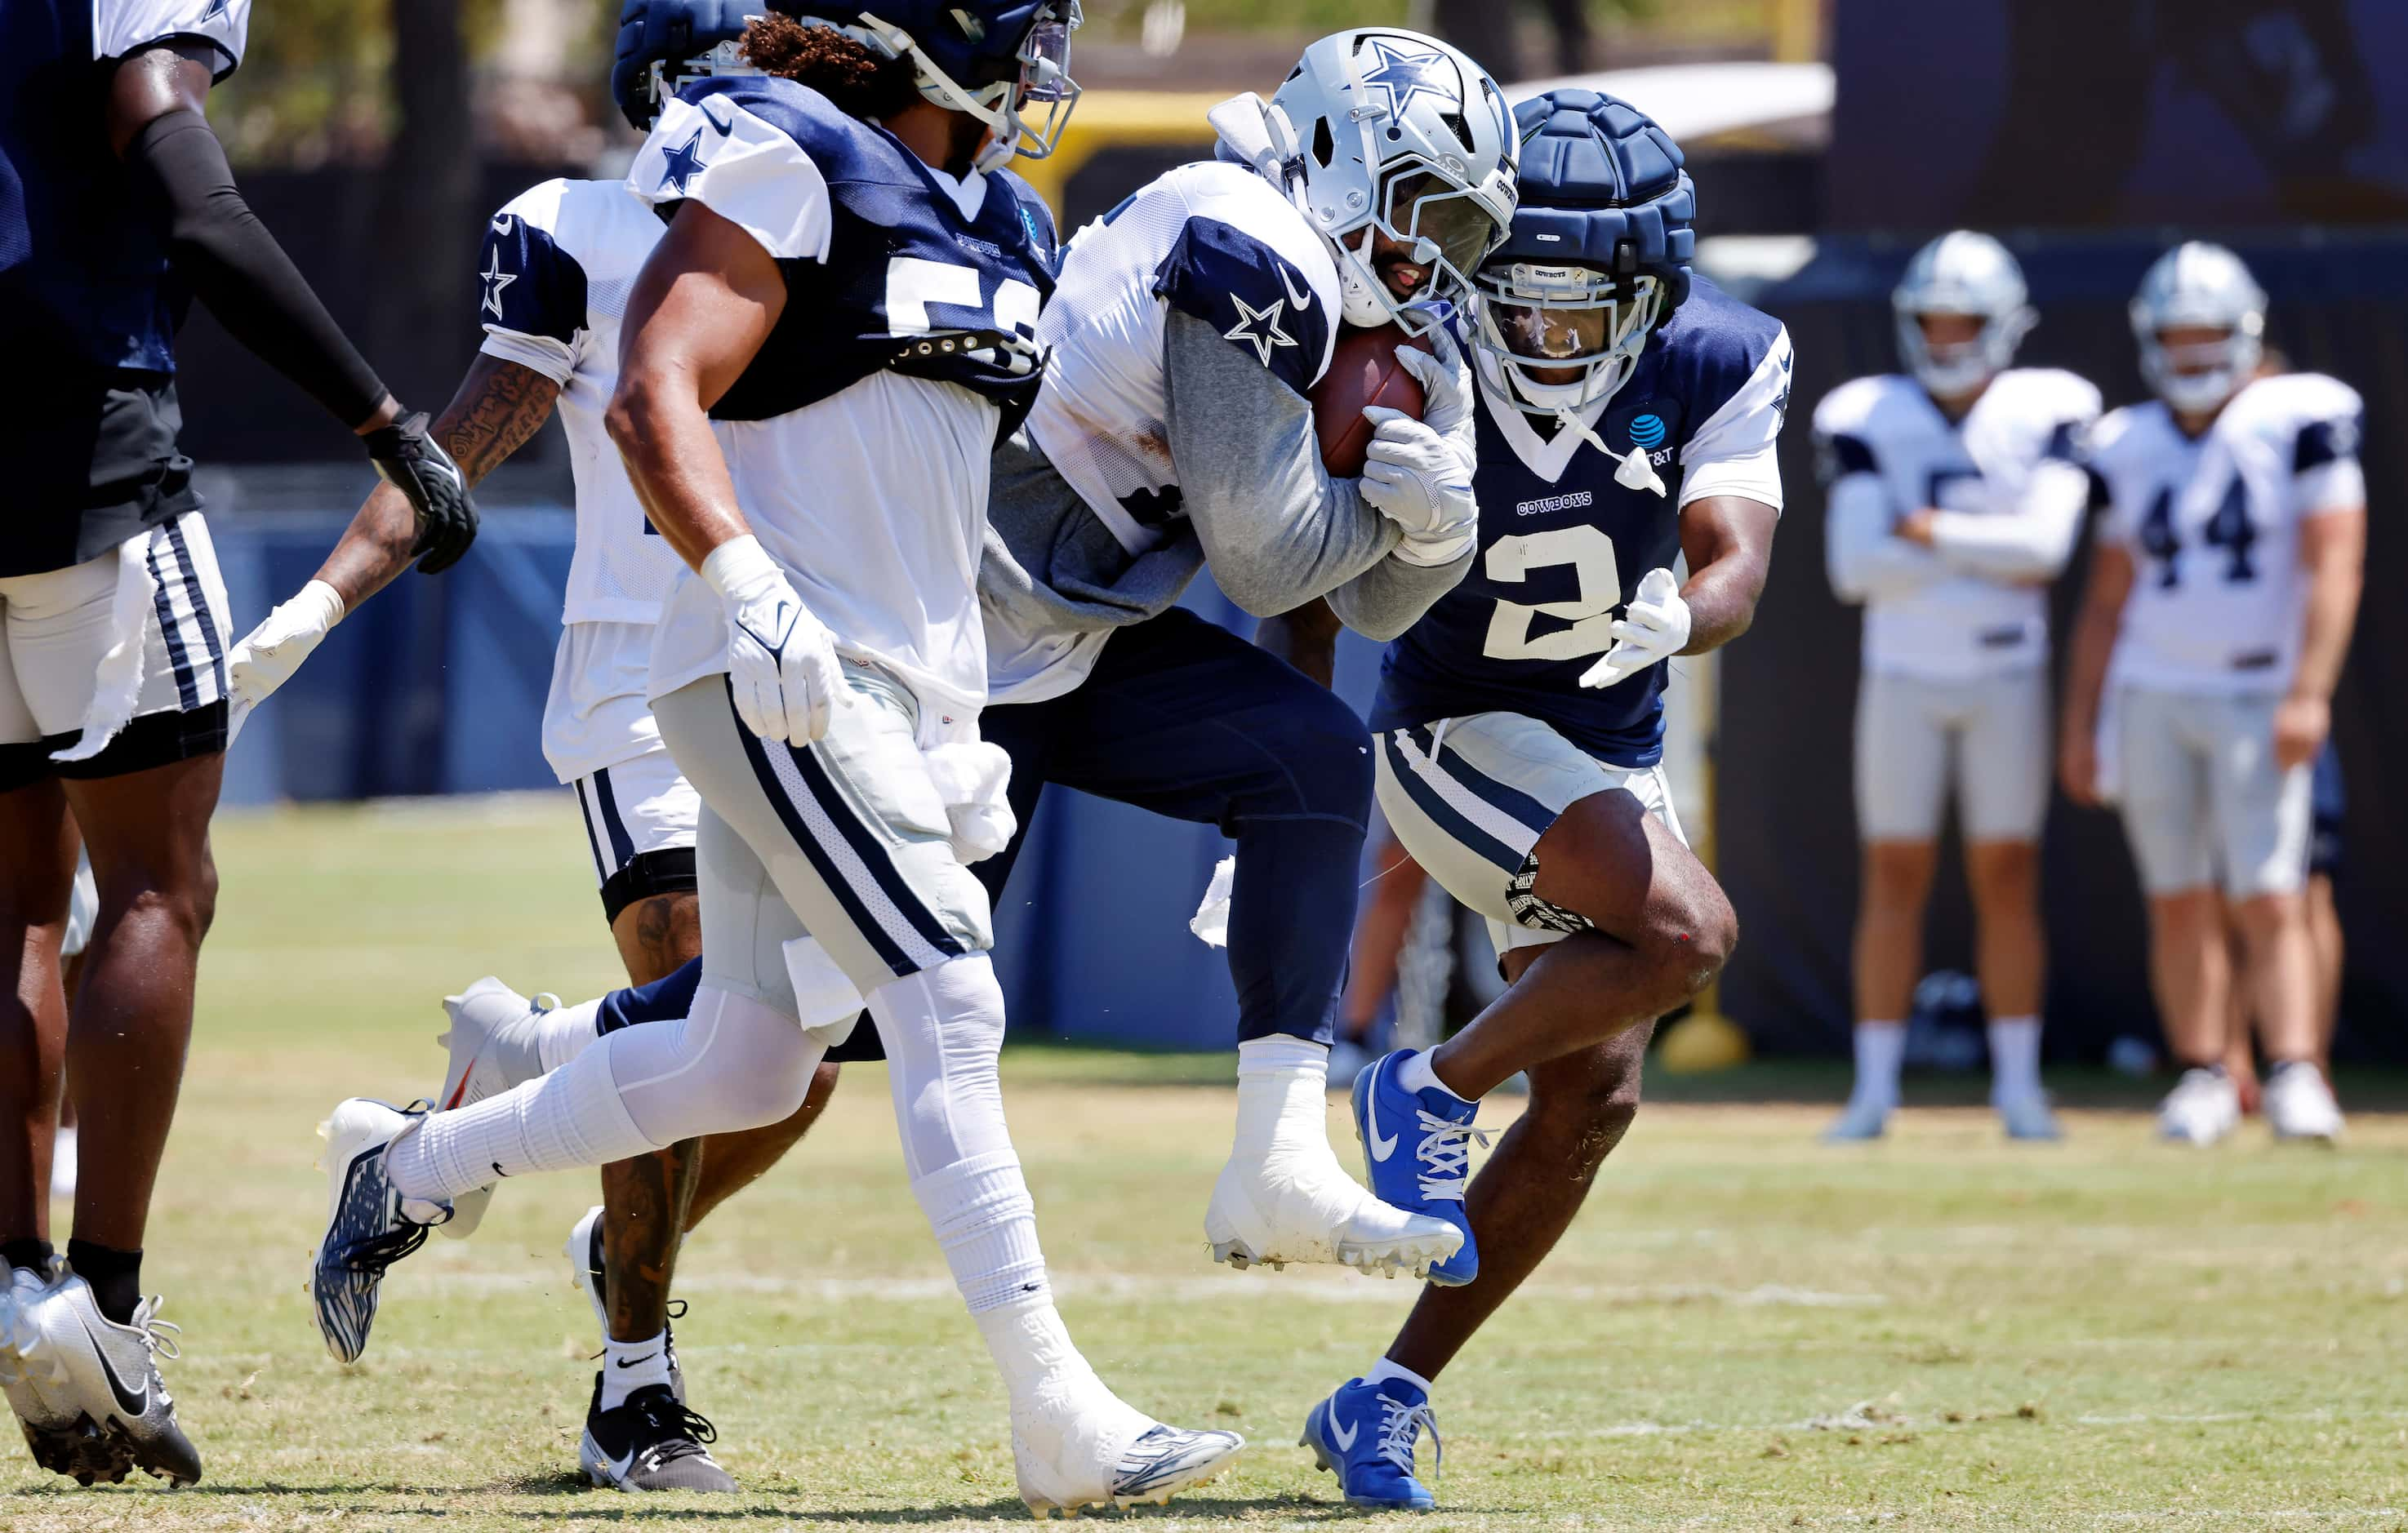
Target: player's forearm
(1391, 596)
(1276, 529)
(498, 405)
(1306, 638)
(2334, 583)
(2032, 544)
(1864, 561)
(674, 462)
(238, 271)
(1722, 600)
(2086, 668)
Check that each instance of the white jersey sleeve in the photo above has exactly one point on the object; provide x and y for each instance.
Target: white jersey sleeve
(119, 27)
(749, 171)
(531, 292)
(2034, 420)
(1735, 452)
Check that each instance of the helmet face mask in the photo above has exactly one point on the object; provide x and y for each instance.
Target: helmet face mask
(1565, 336)
(723, 61)
(997, 87)
(1965, 275)
(1404, 157)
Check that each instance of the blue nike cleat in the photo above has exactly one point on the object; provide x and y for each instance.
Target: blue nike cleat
(1417, 1148)
(1365, 1435)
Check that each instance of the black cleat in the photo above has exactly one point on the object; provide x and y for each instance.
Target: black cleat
(650, 1441)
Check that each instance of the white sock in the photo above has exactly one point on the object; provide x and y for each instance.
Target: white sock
(565, 1032)
(570, 1118)
(1415, 1075)
(1880, 1049)
(985, 1222)
(2014, 1057)
(1384, 1369)
(629, 1365)
(1283, 1098)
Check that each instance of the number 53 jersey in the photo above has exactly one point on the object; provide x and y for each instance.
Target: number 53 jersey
(2213, 525)
(1564, 540)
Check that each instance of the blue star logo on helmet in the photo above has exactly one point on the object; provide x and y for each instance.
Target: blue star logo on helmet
(1647, 431)
(1406, 75)
(682, 163)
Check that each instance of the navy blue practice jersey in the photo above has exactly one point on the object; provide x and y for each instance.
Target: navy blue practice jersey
(1564, 542)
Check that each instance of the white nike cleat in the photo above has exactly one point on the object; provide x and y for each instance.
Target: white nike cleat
(2027, 1116)
(109, 1409)
(493, 1046)
(34, 1377)
(2300, 1105)
(1081, 1446)
(2203, 1107)
(1298, 1205)
(369, 1224)
(1863, 1118)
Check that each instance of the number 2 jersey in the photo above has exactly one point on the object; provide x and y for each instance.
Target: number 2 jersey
(859, 436)
(2212, 523)
(1564, 543)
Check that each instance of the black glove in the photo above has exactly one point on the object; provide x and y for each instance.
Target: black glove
(414, 464)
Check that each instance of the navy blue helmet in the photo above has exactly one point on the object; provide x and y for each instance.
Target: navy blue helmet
(676, 34)
(1598, 255)
(989, 58)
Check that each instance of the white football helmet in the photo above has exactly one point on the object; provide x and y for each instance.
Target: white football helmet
(1961, 273)
(1401, 134)
(2203, 286)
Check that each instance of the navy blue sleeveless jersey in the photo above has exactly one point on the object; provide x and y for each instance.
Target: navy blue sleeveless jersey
(1563, 543)
(883, 266)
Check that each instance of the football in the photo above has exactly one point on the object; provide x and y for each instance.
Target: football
(1363, 370)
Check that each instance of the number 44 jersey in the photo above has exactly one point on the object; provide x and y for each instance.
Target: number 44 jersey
(2213, 525)
(1565, 540)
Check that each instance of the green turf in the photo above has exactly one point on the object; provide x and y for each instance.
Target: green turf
(1747, 1330)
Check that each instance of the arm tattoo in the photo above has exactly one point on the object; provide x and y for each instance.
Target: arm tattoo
(499, 405)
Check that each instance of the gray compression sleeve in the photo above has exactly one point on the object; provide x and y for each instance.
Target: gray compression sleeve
(1276, 529)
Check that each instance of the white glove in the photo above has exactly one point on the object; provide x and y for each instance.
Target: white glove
(266, 657)
(1654, 627)
(1445, 380)
(781, 663)
(1414, 478)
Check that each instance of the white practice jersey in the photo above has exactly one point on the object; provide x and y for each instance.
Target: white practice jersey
(2218, 601)
(1220, 242)
(859, 447)
(2008, 484)
(121, 26)
(555, 274)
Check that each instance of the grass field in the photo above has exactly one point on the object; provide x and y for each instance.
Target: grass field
(1746, 1330)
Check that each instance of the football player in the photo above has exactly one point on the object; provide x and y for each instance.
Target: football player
(1174, 428)
(838, 320)
(1955, 496)
(117, 208)
(1627, 414)
(554, 276)
(2199, 689)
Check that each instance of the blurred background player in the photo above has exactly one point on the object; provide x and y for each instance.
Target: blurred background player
(118, 208)
(1173, 427)
(554, 276)
(1956, 494)
(784, 336)
(2199, 689)
(1627, 416)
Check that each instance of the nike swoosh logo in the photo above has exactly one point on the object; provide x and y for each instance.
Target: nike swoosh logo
(1302, 300)
(1342, 1435)
(633, 1362)
(1381, 1148)
(131, 1401)
(502, 225)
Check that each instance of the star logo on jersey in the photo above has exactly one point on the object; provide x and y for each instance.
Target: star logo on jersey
(1405, 74)
(495, 278)
(681, 163)
(1259, 327)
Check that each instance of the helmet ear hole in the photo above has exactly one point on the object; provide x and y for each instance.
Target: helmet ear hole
(1462, 129)
(1325, 145)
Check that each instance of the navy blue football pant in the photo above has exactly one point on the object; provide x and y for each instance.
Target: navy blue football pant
(1186, 719)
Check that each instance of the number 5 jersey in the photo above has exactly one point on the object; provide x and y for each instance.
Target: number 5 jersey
(2212, 523)
(1564, 537)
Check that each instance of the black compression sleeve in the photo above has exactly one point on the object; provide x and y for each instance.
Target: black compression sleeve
(236, 267)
